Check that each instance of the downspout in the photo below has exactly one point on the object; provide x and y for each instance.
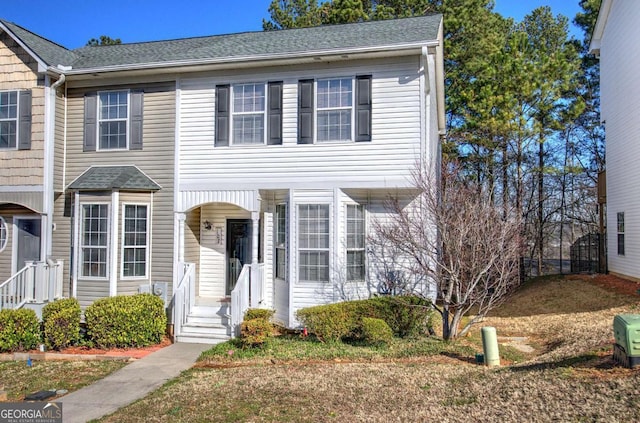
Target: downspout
(442, 124)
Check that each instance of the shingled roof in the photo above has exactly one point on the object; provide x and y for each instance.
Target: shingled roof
(364, 35)
(107, 178)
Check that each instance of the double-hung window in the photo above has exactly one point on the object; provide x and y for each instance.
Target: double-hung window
(113, 120)
(334, 109)
(8, 119)
(313, 242)
(355, 242)
(135, 240)
(95, 240)
(620, 218)
(248, 114)
(281, 241)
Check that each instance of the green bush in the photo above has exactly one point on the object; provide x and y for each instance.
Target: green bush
(126, 321)
(405, 315)
(61, 321)
(255, 332)
(376, 331)
(19, 330)
(258, 313)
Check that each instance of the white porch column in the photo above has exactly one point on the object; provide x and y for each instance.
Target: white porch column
(256, 280)
(182, 217)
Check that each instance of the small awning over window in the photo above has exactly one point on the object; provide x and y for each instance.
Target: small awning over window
(108, 178)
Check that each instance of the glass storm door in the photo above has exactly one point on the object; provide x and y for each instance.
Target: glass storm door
(28, 240)
(238, 250)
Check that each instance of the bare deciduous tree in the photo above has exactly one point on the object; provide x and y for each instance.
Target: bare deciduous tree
(453, 238)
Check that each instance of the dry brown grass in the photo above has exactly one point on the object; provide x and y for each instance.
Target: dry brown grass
(571, 378)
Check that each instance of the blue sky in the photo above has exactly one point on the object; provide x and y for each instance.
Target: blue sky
(72, 22)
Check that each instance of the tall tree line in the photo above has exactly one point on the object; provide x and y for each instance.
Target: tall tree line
(522, 106)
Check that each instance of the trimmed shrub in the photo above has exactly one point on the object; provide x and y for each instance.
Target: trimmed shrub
(376, 331)
(255, 332)
(126, 321)
(61, 322)
(405, 315)
(258, 313)
(19, 330)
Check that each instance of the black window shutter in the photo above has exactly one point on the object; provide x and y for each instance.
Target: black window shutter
(274, 114)
(136, 102)
(24, 120)
(223, 102)
(90, 116)
(305, 111)
(363, 108)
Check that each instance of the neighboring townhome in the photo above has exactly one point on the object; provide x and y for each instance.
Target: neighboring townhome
(242, 170)
(615, 41)
(28, 76)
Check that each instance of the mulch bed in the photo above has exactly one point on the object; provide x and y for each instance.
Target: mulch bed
(115, 352)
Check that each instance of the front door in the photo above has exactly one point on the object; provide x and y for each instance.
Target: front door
(28, 240)
(238, 249)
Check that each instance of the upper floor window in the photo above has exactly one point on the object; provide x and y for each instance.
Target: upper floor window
(95, 240)
(4, 233)
(113, 120)
(334, 109)
(248, 114)
(135, 240)
(334, 113)
(8, 119)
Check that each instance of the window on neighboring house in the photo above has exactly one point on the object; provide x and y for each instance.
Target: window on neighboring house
(313, 242)
(4, 233)
(135, 241)
(281, 241)
(8, 119)
(355, 242)
(113, 117)
(248, 114)
(95, 240)
(335, 107)
(621, 233)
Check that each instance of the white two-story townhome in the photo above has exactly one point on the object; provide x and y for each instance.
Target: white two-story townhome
(241, 170)
(615, 41)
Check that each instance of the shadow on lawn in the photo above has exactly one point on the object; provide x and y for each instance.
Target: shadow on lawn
(594, 361)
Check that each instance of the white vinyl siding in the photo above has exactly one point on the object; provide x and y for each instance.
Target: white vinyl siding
(248, 114)
(94, 241)
(113, 120)
(135, 240)
(334, 109)
(313, 242)
(8, 119)
(385, 161)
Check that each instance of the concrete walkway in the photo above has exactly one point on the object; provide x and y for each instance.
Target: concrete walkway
(130, 383)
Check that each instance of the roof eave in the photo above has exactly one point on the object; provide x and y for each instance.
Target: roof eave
(601, 23)
(42, 65)
(317, 55)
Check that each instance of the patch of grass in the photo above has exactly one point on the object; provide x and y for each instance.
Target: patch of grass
(293, 348)
(20, 380)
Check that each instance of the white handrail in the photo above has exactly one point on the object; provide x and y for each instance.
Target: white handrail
(240, 299)
(38, 282)
(184, 296)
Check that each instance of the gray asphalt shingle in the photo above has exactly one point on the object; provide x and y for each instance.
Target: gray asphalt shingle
(106, 178)
(373, 34)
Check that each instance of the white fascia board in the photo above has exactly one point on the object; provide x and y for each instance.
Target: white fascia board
(601, 23)
(263, 59)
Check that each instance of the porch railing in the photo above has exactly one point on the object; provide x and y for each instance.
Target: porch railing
(248, 292)
(37, 282)
(184, 296)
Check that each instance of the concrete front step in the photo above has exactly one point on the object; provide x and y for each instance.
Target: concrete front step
(200, 340)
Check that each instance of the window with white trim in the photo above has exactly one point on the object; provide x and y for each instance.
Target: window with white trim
(334, 109)
(313, 242)
(248, 114)
(355, 232)
(281, 241)
(135, 240)
(95, 240)
(113, 120)
(8, 119)
(4, 233)
(620, 218)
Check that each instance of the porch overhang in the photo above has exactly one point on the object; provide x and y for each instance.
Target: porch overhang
(246, 199)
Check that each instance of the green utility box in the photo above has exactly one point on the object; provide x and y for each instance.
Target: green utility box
(626, 330)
